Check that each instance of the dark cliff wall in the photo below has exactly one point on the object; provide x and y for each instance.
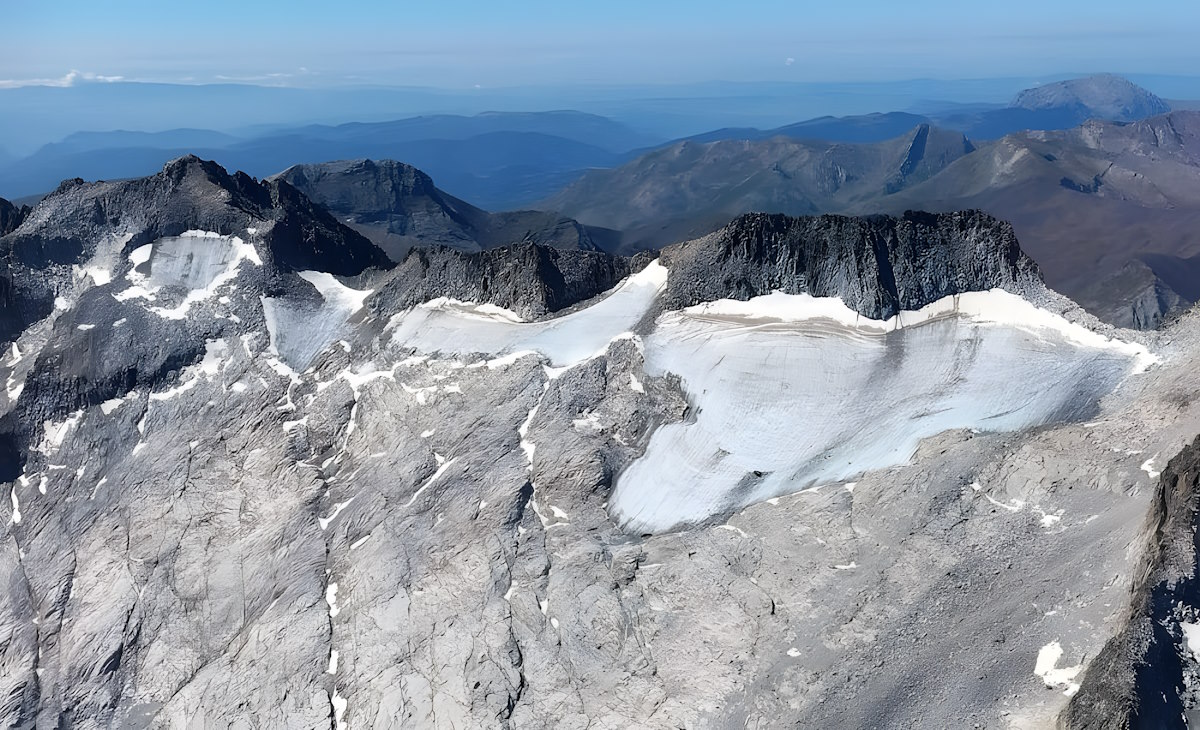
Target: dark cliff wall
(877, 265)
(1138, 679)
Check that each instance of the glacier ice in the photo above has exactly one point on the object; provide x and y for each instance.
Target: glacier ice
(781, 403)
(300, 331)
(789, 392)
(457, 328)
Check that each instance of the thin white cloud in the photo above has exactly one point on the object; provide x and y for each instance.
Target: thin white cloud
(69, 79)
(277, 77)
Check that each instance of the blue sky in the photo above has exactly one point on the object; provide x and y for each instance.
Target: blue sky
(460, 43)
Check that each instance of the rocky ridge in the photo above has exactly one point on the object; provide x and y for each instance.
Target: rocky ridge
(198, 528)
(878, 265)
(398, 207)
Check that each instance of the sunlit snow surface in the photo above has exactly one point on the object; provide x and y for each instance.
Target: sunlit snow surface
(299, 331)
(457, 328)
(197, 263)
(789, 392)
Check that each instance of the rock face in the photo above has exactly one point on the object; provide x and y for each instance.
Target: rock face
(398, 207)
(529, 279)
(83, 235)
(247, 482)
(72, 224)
(878, 266)
(1148, 675)
(11, 216)
(1104, 96)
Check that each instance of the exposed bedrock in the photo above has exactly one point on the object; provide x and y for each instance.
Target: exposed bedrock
(1148, 675)
(877, 265)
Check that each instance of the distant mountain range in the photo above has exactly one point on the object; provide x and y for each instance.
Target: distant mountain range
(1059, 105)
(511, 160)
(1104, 203)
(398, 207)
(1110, 210)
(498, 160)
(691, 188)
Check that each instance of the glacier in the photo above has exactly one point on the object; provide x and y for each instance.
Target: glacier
(790, 392)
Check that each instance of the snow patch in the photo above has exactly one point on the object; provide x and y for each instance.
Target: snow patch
(299, 331)
(1046, 668)
(445, 326)
(337, 510)
(339, 704)
(198, 262)
(443, 466)
(108, 406)
(1148, 467)
(336, 293)
(1191, 637)
(55, 432)
(212, 364)
(331, 599)
(141, 254)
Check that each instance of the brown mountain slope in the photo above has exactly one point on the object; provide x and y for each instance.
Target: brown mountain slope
(1111, 211)
(692, 188)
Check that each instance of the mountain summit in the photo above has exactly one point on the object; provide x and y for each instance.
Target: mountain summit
(1104, 96)
(398, 207)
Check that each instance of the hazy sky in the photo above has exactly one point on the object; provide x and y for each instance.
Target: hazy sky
(460, 43)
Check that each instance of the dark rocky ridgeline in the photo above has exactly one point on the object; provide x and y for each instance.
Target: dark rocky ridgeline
(86, 360)
(1145, 677)
(65, 228)
(189, 193)
(11, 216)
(530, 279)
(398, 207)
(877, 265)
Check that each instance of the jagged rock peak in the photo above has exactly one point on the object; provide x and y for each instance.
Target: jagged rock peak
(531, 279)
(11, 216)
(877, 265)
(190, 194)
